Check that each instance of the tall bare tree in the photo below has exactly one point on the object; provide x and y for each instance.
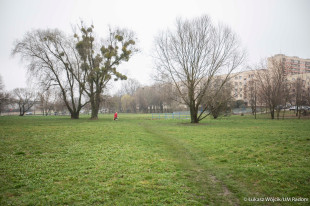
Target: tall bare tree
(100, 63)
(52, 59)
(192, 55)
(272, 84)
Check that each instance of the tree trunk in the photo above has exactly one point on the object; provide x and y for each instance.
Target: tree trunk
(255, 110)
(278, 113)
(272, 113)
(95, 102)
(161, 107)
(75, 115)
(94, 112)
(194, 114)
(22, 111)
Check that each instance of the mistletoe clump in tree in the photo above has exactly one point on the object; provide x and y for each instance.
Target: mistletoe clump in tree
(99, 63)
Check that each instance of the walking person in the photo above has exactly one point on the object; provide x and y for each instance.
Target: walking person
(115, 116)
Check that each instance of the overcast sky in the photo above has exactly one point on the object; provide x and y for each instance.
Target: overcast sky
(265, 27)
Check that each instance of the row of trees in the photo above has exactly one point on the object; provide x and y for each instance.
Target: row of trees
(270, 88)
(77, 65)
(24, 100)
(194, 64)
(132, 97)
(136, 98)
(187, 58)
(200, 59)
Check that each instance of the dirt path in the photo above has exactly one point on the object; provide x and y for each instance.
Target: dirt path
(211, 189)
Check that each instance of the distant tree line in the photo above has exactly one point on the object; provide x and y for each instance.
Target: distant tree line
(194, 63)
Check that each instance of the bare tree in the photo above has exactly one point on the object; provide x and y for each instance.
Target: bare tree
(272, 83)
(112, 103)
(25, 99)
(252, 94)
(130, 86)
(128, 103)
(298, 94)
(59, 105)
(143, 99)
(150, 98)
(307, 91)
(4, 96)
(192, 55)
(48, 100)
(167, 95)
(53, 59)
(127, 93)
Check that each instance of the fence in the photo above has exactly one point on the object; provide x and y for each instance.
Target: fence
(174, 115)
(246, 110)
(186, 114)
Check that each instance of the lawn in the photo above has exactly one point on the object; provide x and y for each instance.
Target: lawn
(138, 161)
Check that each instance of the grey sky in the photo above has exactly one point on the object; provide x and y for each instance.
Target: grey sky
(265, 27)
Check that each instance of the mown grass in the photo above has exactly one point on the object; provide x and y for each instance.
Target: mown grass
(139, 161)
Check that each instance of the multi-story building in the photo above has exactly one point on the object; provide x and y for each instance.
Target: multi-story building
(292, 65)
(295, 68)
(240, 82)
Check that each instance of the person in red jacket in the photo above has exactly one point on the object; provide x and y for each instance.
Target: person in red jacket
(115, 116)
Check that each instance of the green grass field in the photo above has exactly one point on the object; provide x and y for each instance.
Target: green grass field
(139, 161)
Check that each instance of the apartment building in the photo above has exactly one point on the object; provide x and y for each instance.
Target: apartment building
(292, 65)
(241, 82)
(295, 68)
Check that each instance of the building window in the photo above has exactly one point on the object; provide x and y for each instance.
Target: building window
(240, 95)
(240, 77)
(295, 61)
(240, 83)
